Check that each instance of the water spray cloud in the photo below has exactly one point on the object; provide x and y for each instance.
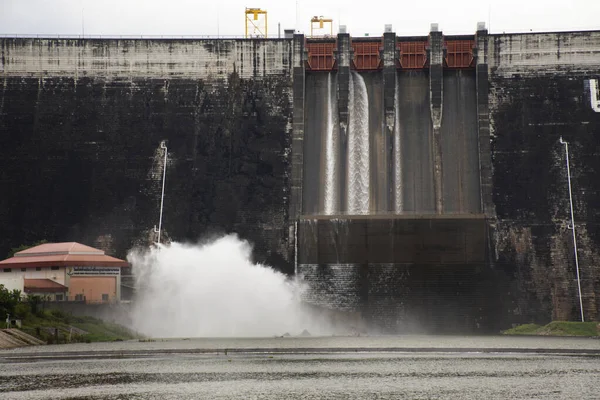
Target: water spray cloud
(214, 290)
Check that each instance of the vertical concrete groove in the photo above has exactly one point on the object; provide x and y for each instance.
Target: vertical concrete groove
(436, 59)
(343, 54)
(389, 106)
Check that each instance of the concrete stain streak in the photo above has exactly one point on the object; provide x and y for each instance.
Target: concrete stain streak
(149, 58)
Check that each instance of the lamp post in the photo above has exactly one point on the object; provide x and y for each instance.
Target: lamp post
(162, 196)
(572, 225)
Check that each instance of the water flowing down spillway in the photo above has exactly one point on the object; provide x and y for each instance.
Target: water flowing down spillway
(398, 192)
(331, 154)
(358, 147)
(214, 290)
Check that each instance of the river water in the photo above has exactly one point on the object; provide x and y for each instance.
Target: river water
(398, 367)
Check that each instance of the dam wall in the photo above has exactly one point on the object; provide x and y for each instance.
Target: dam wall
(539, 91)
(81, 124)
(416, 181)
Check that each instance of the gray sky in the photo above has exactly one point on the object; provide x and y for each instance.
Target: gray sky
(202, 17)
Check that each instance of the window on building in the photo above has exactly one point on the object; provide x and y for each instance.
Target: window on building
(59, 297)
(38, 268)
(23, 269)
(104, 297)
(7, 269)
(54, 268)
(79, 297)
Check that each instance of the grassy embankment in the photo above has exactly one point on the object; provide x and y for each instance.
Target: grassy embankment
(557, 328)
(43, 325)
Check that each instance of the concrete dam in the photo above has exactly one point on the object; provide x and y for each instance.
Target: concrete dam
(413, 183)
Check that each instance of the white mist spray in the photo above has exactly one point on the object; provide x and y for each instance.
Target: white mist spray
(214, 290)
(358, 146)
(331, 156)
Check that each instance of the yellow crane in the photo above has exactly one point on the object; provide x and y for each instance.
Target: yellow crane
(321, 25)
(256, 22)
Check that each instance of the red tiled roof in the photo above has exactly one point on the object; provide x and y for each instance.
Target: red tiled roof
(43, 286)
(59, 248)
(69, 254)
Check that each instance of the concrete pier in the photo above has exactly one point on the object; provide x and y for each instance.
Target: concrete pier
(483, 121)
(389, 56)
(343, 58)
(436, 88)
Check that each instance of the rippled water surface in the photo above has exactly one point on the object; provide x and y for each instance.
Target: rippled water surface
(411, 367)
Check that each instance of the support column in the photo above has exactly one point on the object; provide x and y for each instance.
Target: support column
(389, 95)
(343, 57)
(295, 201)
(483, 120)
(436, 95)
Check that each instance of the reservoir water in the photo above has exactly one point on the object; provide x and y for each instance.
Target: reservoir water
(385, 367)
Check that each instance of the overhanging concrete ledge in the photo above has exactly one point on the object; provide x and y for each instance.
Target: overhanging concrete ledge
(396, 239)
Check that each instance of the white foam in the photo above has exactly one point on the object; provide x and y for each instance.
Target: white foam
(214, 290)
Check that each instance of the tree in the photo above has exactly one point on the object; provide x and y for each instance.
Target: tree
(8, 301)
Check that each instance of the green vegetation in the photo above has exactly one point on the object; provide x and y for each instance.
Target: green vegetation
(55, 326)
(557, 328)
(8, 302)
(525, 329)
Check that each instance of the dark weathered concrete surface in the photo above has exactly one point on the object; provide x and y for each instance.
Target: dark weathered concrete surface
(531, 194)
(425, 239)
(459, 143)
(315, 126)
(416, 139)
(79, 160)
(402, 274)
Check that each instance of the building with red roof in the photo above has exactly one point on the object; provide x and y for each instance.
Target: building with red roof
(64, 271)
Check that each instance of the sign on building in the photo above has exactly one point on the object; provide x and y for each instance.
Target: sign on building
(78, 271)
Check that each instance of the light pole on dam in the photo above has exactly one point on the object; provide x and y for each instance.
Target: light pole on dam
(162, 195)
(572, 225)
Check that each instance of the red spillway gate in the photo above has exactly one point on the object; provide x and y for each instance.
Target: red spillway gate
(413, 55)
(320, 55)
(459, 53)
(367, 55)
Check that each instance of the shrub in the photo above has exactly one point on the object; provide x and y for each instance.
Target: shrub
(22, 311)
(34, 304)
(8, 301)
(59, 314)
